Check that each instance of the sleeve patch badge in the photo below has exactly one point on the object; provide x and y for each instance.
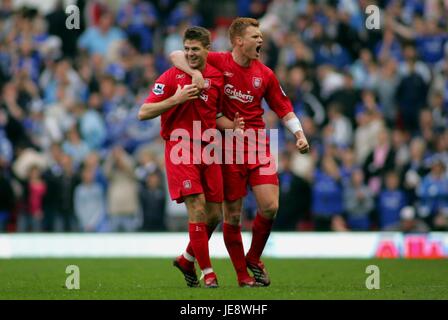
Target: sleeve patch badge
(158, 88)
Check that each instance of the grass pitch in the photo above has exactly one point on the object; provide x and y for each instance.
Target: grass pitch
(292, 279)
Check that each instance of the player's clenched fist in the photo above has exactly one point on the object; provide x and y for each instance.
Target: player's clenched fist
(302, 143)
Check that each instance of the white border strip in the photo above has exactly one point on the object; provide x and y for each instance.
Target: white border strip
(280, 245)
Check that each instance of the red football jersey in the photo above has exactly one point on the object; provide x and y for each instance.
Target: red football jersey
(203, 109)
(245, 88)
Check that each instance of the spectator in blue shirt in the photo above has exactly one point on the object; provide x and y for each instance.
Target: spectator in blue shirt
(138, 19)
(389, 47)
(358, 202)
(29, 60)
(92, 128)
(369, 103)
(430, 45)
(361, 70)
(348, 165)
(89, 201)
(433, 194)
(93, 162)
(117, 110)
(327, 195)
(330, 52)
(6, 151)
(243, 7)
(391, 200)
(184, 12)
(97, 40)
(75, 147)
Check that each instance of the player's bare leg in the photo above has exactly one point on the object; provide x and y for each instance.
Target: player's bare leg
(214, 213)
(267, 196)
(197, 218)
(234, 242)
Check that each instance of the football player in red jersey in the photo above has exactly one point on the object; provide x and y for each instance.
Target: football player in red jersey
(185, 109)
(246, 82)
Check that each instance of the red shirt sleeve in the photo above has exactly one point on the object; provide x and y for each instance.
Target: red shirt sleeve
(216, 59)
(276, 97)
(163, 88)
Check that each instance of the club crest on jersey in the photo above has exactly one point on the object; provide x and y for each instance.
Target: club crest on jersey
(203, 96)
(256, 81)
(187, 184)
(207, 83)
(158, 88)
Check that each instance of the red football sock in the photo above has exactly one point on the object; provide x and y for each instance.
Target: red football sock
(189, 249)
(185, 263)
(234, 245)
(261, 229)
(199, 243)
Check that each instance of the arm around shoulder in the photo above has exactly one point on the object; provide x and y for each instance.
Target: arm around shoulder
(178, 59)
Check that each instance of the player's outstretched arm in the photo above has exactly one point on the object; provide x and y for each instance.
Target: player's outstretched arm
(291, 122)
(223, 122)
(152, 110)
(178, 60)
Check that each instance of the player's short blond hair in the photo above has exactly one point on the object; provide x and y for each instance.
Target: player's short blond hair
(239, 25)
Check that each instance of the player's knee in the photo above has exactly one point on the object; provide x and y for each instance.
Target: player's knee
(232, 218)
(196, 209)
(270, 209)
(232, 212)
(233, 208)
(198, 216)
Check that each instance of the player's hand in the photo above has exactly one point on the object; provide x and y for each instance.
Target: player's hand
(188, 92)
(302, 143)
(198, 80)
(238, 123)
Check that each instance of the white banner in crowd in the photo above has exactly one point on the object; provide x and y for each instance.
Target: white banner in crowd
(280, 245)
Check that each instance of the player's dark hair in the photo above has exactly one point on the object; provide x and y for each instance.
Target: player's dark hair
(239, 25)
(200, 34)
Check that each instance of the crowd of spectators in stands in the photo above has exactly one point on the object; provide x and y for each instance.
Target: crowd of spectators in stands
(373, 104)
